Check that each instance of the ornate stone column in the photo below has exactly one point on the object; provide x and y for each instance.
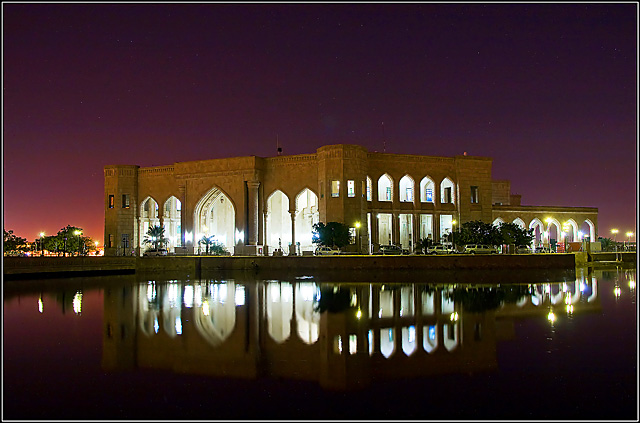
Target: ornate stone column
(292, 250)
(252, 224)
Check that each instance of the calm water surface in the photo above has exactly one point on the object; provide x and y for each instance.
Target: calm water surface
(134, 347)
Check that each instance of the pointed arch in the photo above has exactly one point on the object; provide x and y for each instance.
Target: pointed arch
(588, 232)
(447, 191)
(385, 188)
(149, 217)
(519, 222)
(427, 190)
(307, 214)
(369, 189)
(278, 221)
(407, 189)
(172, 211)
(498, 221)
(214, 215)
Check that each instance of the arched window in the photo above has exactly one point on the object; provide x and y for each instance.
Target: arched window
(385, 188)
(427, 190)
(447, 191)
(406, 189)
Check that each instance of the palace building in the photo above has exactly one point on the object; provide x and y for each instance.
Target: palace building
(255, 205)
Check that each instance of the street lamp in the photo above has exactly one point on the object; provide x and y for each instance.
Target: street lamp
(97, 243)
(615, 237)
(77, 233)
(629, 235)
(41, 244)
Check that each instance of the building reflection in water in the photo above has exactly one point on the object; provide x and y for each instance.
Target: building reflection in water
(341, 335)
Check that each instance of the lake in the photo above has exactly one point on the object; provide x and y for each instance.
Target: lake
(160, 347)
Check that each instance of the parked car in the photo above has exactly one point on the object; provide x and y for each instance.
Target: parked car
(440, 249)
(523, 249)
(155, 252)
(326, 251)
(388, 250)
(480, 249)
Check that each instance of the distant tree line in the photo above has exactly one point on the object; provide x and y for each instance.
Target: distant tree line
(68, 241)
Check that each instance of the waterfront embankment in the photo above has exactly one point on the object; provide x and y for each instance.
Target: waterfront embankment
(27, 267)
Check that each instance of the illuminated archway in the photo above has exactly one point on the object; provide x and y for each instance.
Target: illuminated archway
(498, 222)
(427, 190)
(587, 230)
(519, 222)
(385, 188)
(278, 222)
(407, 188)
(149, 217)
(172, 211)
(307, 215)
(538, 231)
(215, 216)
(447, 191)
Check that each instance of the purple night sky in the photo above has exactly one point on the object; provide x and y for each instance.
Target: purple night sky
(549, 91)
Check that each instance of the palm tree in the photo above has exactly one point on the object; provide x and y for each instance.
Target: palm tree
(155, 236)
(206, 240)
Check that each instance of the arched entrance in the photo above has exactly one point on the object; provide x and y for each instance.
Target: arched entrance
(278, 222)
(215, 216)
(307, 215)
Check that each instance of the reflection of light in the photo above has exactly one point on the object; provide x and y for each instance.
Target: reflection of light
(632, 284)
(240, 295)
(156, 325)
(77, 302)
(454, 316)
(359, 314)
(432, 333)
(412, 333)
(178, 325)
(569, 308)
(617, 291)
(205, 307)
(40, 305)
(583, 286)
(551, 316)
(353, 344)
(188, 296)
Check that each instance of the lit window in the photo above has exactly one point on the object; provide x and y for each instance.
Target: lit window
(429, 195)
(409, 194)
(125, 201)
(388, 194)
(474, 195)
(351, 188)
(335, 188)
(368, 189)
(111, 201)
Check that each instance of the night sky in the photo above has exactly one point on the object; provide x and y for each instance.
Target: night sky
(549, 91)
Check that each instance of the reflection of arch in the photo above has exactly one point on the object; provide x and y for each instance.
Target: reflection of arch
(427, 190)
(307, 215)
(430, 338)
(279, 310)
(171, 309)
(172, 211)
(428, 303)
(214, 215)
(447, 191)
(406, 189)
(278, 221)
(148, 306)
(409, 340)
(215, 317)
(450, 336)
(385, 188)
(387, 341)
(307, 318)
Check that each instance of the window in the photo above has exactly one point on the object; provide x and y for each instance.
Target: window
(125, 240)
(409, 194)
(429, 195)
(474, 195)
(388, 194)
(335, 188)
(110, 242)
(351, 188)
(447, 195)
(125, 201)
(111, 201)
(368, 189)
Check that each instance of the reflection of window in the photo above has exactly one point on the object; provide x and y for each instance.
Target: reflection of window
(351, 188)
(111, 201)
(474, 195)
(429, 195)
(335, 188)
(125, 201)
(432, 333)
